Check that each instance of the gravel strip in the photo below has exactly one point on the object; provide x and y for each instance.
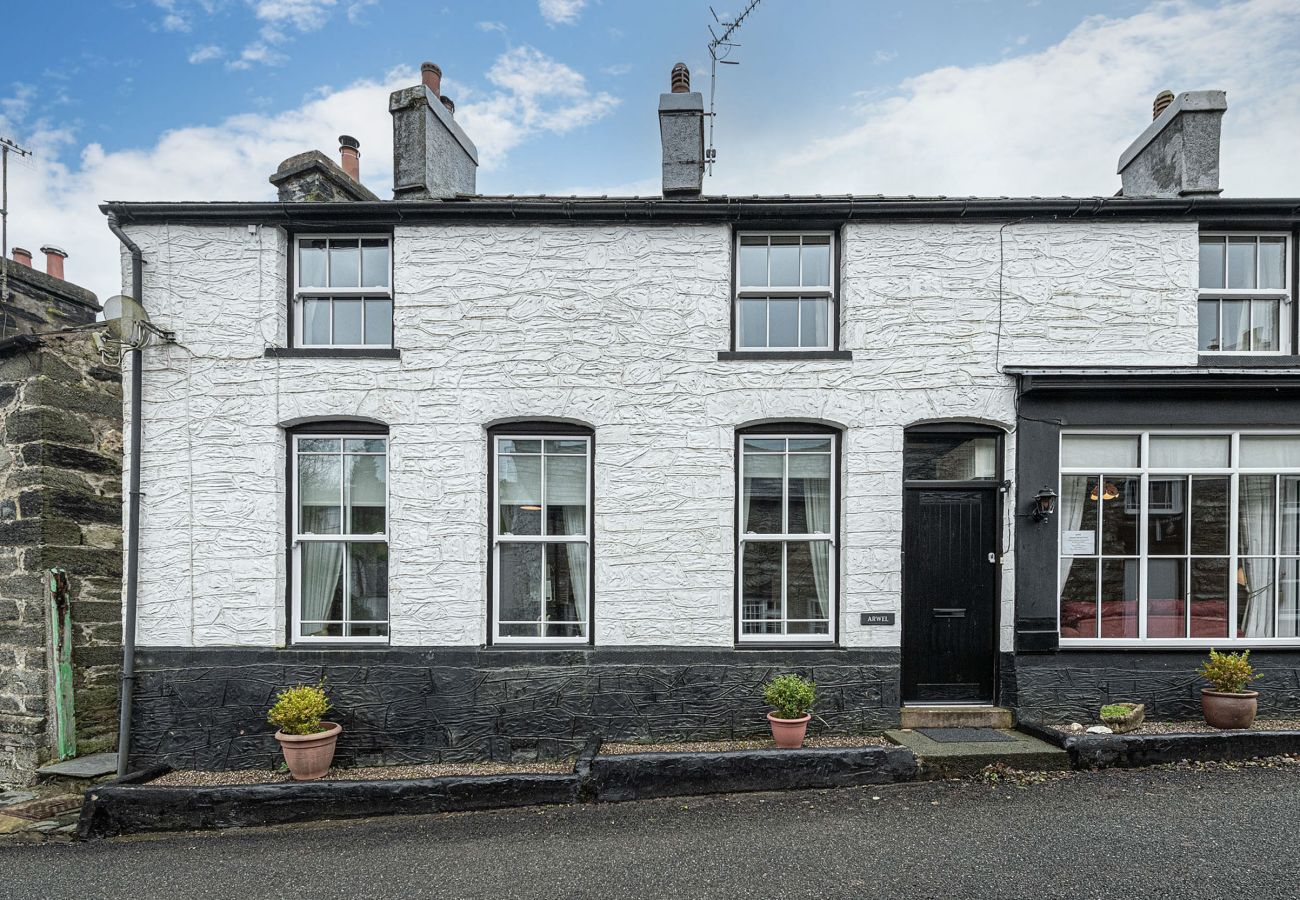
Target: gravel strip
(1200, 727)
(368, 773)
(812, 742)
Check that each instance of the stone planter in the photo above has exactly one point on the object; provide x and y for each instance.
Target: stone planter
(1130, 721)
(309, 755)
(1229, 711)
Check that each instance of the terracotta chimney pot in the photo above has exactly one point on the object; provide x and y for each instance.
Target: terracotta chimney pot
(431, 75)
(1163, 99)
(54, 257)
(22, 257)
(350, 156)
(681, 79)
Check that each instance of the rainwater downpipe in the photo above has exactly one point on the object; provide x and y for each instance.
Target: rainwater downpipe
(127, 690)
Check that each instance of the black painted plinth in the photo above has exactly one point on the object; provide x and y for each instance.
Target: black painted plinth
(1073, 685)
(206, 708)
(646, 775)
(1129, 751)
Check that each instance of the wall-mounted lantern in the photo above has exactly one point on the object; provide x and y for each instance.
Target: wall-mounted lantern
(1044, 504)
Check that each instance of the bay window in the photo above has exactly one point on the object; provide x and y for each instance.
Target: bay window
(1179, 537)
(541, 535)
(343, 294)
(340, 537)
(785, 296)
(1245, 294)
(787, 514)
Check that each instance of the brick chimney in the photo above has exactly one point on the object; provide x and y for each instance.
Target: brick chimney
(350, 156)
(22, 257)
(433, 158)
(54, 258)
(1178, 153)
(681, 133)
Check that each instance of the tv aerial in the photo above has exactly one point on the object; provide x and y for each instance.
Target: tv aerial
(719, 52)
(128, 328)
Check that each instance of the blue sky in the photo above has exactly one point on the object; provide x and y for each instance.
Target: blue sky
(198, 99)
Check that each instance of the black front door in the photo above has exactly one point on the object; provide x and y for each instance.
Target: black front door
(949, 593)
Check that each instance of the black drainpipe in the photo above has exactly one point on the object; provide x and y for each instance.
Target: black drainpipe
(127, 689)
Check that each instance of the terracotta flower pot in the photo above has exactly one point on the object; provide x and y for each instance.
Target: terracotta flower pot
(1228, 711)
(788, 733)
(309, 755)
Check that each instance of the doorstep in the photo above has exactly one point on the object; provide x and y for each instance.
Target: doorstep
(953, 756)
(956, 716)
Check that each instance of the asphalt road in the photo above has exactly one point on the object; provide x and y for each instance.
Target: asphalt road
(1181, 834)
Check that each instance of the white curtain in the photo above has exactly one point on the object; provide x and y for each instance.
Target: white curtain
(1074, 494)
(322, 566)
(575, 523)
(1256, 527)
(1288, 601)
(817, 508)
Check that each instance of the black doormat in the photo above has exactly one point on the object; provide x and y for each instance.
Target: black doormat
(966, 735)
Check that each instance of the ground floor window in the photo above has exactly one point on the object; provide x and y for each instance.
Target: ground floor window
(340, 536)
(786, 547)
(1175, 536)
(541, 535)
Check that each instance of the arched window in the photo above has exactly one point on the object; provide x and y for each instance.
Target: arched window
(540, 479)
(787, 512)
(338, 527)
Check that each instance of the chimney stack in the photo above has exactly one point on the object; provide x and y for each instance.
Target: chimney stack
(433, 158)
(350, 156)
(22, 257)
(1178, 153)
(681, 133)
(54, 258)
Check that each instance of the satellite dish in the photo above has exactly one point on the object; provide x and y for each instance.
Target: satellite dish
(126, 318)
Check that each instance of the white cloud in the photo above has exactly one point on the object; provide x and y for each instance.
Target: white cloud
(305, 15)
(257, 53)
(492, 26)
(1051, 122)
(880, 57)
(561, 12)
(54, 195)
(206, 53)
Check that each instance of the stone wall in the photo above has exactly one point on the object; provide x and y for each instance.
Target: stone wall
(60, 506)
(206, 708)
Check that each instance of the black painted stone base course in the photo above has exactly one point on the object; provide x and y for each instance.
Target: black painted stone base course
(646, 775)
(206, 708)
(129, 807)
(1131, 751)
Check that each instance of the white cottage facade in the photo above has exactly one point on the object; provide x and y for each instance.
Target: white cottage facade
(508, 472)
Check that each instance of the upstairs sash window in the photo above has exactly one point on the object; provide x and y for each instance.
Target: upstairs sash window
(343, 292)
(785, 296)
(1245, 294)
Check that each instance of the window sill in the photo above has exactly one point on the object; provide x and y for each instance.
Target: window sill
(332, 353)
(783, 355)
(788, 645)
(1200, 645)
(1248, 361)
(340, 644)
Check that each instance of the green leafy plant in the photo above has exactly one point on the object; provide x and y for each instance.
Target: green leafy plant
(1116, 710)
(790, 696)
(1228, 672)
(299, 709)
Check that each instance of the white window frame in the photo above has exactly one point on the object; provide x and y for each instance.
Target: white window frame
(298, 539)
(1282, 294)
(758, 292)
(302, 294)
(498, 539)
(743, 537)
(1144, 472)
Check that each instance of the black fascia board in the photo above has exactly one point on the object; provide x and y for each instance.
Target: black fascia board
(1191, 381)
(756, 211)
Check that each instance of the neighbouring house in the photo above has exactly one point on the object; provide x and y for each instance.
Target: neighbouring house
(510, 471)
(60, 521)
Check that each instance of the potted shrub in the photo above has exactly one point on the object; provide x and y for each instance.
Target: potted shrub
(1123, 717)
(1226, 702)
(307, 742)
(791, 699)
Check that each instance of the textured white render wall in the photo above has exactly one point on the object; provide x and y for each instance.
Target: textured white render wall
(618, 327)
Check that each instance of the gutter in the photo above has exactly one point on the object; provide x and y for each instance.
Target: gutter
(127, 690)
(1275, 212)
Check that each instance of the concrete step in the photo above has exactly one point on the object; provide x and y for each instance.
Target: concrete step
(949, 759)
(79, 772)
(956, 717)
